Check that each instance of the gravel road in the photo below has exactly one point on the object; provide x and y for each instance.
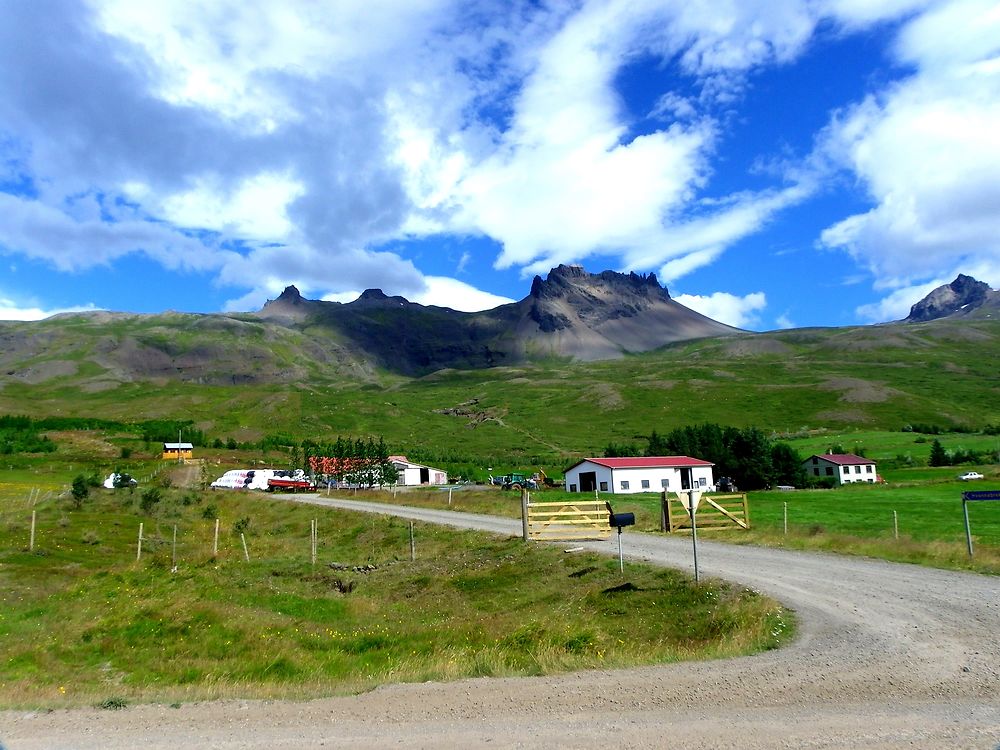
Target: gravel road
(889, 656)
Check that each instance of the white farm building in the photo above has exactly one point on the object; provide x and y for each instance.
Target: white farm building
(845, 468)
(622, 476)
(414, 475)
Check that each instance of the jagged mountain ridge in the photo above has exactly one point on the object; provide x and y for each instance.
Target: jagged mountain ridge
(964, 297)
(571, 314)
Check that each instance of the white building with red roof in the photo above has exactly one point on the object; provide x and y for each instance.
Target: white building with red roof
(846, 468)
(623, 476)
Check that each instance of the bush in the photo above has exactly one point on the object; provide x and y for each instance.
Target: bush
(210, 512)
(149, 499)
(126, 453)
(241, 525)
(79, 491)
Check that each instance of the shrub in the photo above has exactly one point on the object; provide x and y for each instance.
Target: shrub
(149, 499)
(210, 512)
(79, 491)
(126, 453)
(241, 525)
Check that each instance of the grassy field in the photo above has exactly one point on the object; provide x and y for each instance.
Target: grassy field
(854, 519)
(82, 621)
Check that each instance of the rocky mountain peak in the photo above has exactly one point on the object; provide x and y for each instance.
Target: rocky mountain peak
(290, 295)
(563, 281)
(961, 295)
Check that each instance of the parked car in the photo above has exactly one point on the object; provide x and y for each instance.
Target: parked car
(970, 475)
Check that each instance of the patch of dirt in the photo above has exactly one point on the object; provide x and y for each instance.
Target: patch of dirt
(603, 395)
(751, 346)
(859, 391)
(42, 371)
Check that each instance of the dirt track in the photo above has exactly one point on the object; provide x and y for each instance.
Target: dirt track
(890, 656)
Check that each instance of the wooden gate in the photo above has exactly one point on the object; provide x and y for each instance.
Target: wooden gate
(564, 521)
(714, 512)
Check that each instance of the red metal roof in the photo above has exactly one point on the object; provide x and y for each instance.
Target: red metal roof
(645, 462)
(844, 459)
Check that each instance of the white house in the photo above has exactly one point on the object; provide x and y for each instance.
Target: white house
(846, 468)
(414, 475)
(622, 476)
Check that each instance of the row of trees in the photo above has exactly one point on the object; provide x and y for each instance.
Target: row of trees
(364, 463)
(746, 454)
(941, 457)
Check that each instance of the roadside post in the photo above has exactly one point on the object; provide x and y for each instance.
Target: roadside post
(690, 499)
(983, 496)
(617, 521)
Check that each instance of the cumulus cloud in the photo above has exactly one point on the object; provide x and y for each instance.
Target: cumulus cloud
(268, 144)
(741, 312)
(12, 310)
(444, 292)
(926, 149)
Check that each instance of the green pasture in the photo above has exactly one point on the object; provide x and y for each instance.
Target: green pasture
(853, 519)
(83, 621)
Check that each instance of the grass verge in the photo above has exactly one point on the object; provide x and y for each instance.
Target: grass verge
(82, 621)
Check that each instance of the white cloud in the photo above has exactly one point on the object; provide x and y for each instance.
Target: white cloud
(444, 292)
(11, 310)
(785, 322)
(741, 312)
(896, 305)
(255, 208)
(928, 152)
(320, 133)
(72, 243)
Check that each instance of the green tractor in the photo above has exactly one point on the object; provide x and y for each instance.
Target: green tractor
(515, 481)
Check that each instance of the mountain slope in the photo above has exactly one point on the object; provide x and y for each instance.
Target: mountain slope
(570, 315)
(964, 297)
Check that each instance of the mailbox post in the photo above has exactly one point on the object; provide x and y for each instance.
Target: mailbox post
(617, 521)
(690, 500)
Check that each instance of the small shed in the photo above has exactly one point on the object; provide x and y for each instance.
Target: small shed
(177, 451)
(628, 475)
(845, 468)
(414, 475)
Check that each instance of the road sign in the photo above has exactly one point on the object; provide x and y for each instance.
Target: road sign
(981, 495)
(975, 497)
(689, 499)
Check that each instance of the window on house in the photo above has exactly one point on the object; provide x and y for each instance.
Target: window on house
(816, 472)
(572, 488)
(868, 468)
(815, 460)
(604, 486)
(857, 469)
(665, 484)
(645, 484)
(702, 481)
(624, 484)
(829, 471)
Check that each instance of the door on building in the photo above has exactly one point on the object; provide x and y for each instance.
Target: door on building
(588, 481)
(425, 475)
(685, 479)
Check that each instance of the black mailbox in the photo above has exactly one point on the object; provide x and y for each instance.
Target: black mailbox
(618, 520)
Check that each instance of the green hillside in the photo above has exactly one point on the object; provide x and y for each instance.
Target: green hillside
(243, 378)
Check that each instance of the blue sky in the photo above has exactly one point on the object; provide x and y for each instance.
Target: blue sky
(780, 163)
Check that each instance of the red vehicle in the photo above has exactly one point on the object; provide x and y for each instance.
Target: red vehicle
(287, 481)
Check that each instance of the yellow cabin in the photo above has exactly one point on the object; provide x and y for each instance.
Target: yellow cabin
(177, 451)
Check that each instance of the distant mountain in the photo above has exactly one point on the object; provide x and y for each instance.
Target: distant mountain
(572, 314)
(964, 297)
